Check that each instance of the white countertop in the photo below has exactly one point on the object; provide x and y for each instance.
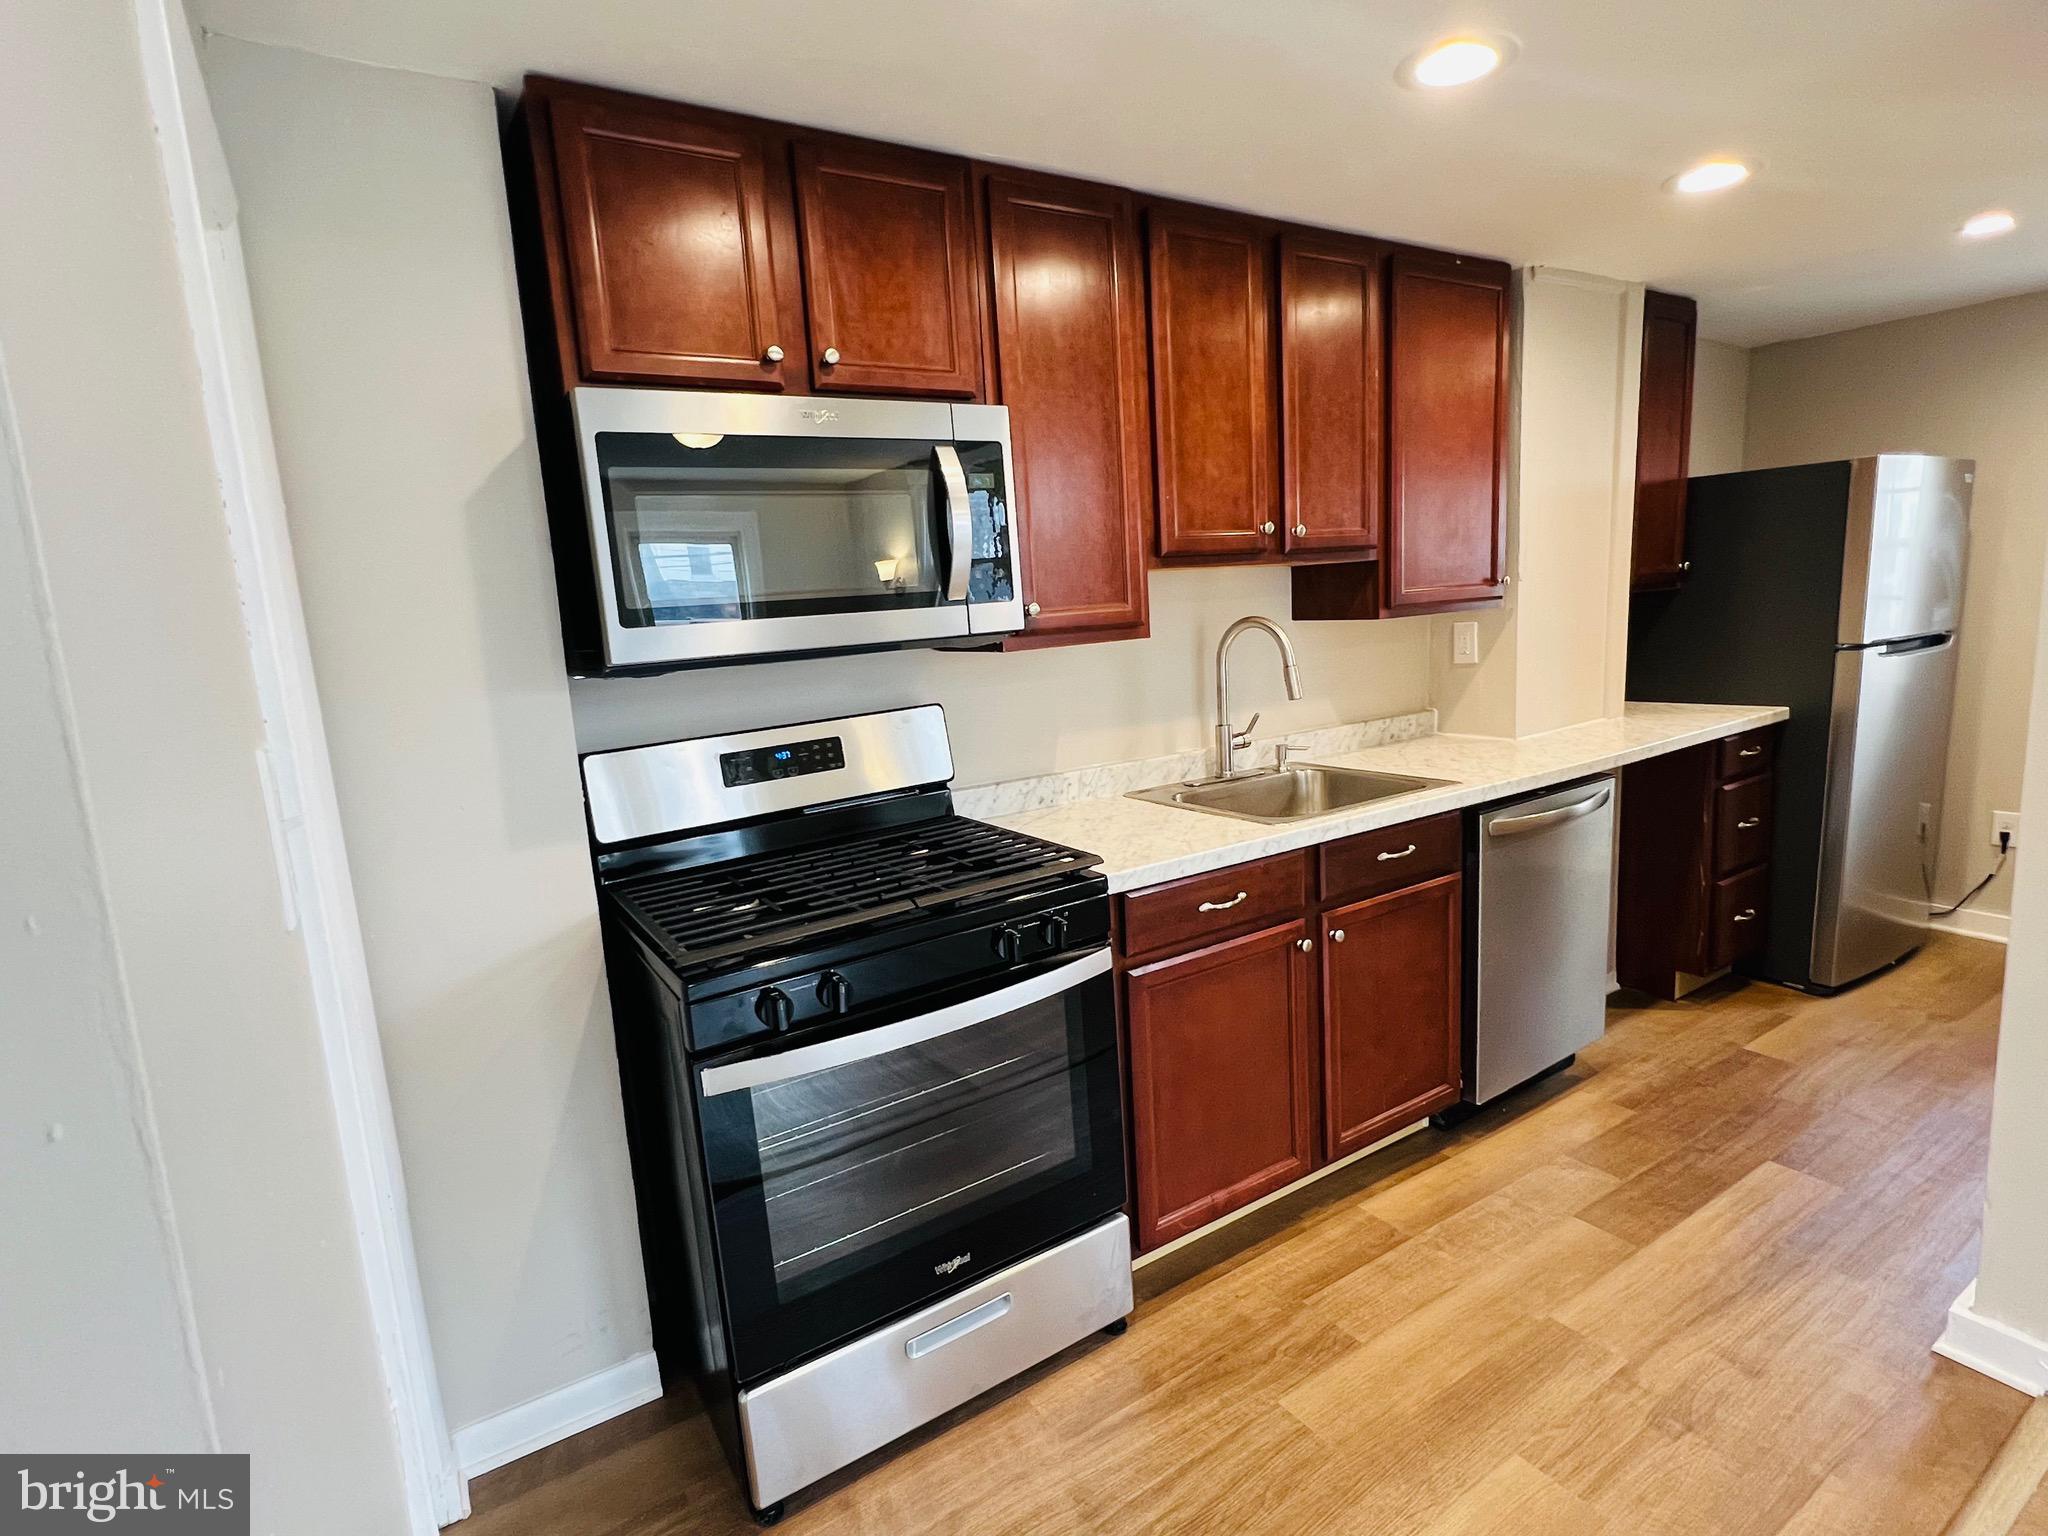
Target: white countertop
(1142, 843)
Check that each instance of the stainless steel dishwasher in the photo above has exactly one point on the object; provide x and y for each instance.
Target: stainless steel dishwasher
(1544, 871)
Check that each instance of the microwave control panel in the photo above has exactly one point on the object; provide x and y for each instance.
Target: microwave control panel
(786, 760)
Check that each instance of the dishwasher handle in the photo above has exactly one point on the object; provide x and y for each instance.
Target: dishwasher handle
(1521, 826)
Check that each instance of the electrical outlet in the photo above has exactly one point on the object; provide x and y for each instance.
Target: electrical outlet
(2006, 825)
(1926, 820)
(1465, 643)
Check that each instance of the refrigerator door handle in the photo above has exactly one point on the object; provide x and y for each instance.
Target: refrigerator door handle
(1915, 645)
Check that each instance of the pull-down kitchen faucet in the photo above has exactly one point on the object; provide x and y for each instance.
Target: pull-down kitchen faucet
(1228, 738)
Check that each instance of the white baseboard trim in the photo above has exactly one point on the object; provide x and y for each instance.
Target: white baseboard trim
(521, 1430)
(1992, 1348)
(1995, 926)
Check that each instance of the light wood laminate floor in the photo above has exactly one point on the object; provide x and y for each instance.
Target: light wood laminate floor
(1688, 1286)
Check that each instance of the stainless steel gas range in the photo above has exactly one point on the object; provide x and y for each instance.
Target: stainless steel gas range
(870, 1062)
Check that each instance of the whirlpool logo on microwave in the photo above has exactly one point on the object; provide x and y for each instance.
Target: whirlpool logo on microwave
(166, 1496)
(958, 1261)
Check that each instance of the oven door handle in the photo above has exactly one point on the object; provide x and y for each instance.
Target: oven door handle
(959, 521)
(761, 1071)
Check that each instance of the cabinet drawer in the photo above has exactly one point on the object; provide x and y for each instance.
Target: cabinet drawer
(1742, 823)
(1741, 910)
(1392, 857)
(1200, 908)
(1751, 752)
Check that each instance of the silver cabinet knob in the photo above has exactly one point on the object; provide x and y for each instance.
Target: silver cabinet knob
(1031, 610)
(1336, 935)
(829, 356)
(1304, 945)
(1684, 566)
(772, 355)
(1267, 526)
(1300, 530)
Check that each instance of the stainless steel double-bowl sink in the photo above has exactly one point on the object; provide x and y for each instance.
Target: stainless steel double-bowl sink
(1293, 793)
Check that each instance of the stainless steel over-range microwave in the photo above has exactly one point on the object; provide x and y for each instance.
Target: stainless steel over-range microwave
(736, 527)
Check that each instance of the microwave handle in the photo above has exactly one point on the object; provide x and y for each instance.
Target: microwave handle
(959, 521)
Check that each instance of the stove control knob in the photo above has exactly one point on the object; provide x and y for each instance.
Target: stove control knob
(835, 992)
(1009, 944)
(774, 1008)
(1055, 928)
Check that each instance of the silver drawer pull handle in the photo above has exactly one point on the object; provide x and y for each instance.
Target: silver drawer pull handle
(1747, 822)
(1746, 915)
(1221, 906)
(1751, 752)
(958, 1328)
(1401, 855)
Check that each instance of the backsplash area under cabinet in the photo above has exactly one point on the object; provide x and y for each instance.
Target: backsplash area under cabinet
(1025, 714)
(1009, 796)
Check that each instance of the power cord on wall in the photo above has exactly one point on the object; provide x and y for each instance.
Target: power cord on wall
(2004, 848)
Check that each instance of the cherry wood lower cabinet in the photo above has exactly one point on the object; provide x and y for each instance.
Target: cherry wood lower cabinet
(1287, 1012)
(1220, 1047)
(1069, 283)
(1392, 1004)
(1694, 895)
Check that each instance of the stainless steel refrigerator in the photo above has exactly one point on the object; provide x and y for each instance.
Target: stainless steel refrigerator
(1835, 589)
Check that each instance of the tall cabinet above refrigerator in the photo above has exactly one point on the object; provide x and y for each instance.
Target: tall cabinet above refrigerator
(1837, 590)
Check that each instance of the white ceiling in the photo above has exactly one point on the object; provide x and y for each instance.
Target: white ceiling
(1879, 124)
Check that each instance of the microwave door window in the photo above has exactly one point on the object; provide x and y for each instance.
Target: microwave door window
(756, 528)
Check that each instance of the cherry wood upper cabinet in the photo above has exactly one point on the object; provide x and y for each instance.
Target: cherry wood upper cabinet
(1212, 381)
(1445, 541)
(680, 246)
(1069, 289)
(1331, 399)
(1392, 1012)
(892, 269)
(1663, 440)
(1219, 1064)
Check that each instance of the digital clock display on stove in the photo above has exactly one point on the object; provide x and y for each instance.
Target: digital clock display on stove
(786, 760)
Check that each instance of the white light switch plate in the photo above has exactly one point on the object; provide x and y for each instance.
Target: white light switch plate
(1465, 643)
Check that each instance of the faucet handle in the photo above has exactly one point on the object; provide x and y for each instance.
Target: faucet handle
(1243, 738)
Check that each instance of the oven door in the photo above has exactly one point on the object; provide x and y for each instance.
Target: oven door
(732, 526)
(858, 1178)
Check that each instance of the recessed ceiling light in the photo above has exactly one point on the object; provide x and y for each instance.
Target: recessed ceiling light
(1711, 176)
(1454, 61)
(1986, 225)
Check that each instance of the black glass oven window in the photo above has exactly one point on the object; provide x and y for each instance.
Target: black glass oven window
(873, 1155)
(707, 527)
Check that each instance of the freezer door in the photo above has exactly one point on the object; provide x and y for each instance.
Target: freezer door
(1908, 529)
(1887, 749)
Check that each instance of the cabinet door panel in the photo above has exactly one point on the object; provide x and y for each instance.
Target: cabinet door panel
(890, 269)
(1445, 541)
(1392, 1000)
(1219, 1079)
(678, 232)
(1212, 410)
(1070, 365)
(1331, 404)
(1663, 440)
